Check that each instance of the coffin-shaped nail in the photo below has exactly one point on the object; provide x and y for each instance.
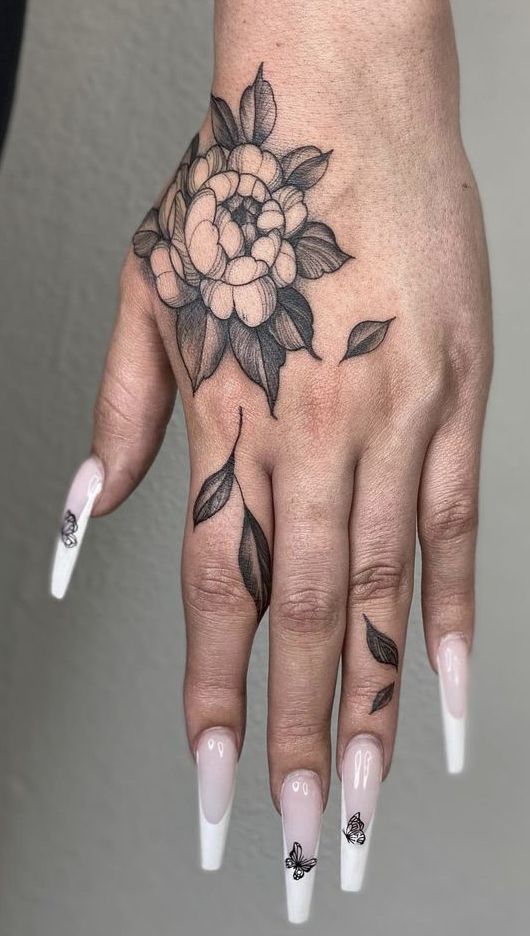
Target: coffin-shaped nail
(453, 678)
(85, 487)
(216, 755)
(362, 771)
(301, 808)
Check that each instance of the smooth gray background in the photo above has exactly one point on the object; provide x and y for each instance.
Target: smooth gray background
(97, 797)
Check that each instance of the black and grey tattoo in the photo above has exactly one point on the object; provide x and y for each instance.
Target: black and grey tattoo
(298, 863)
(384, 650)
(382, 698)
(254, 555)
(354, 830)
(69, 529)
(233, 238)
(366, 337)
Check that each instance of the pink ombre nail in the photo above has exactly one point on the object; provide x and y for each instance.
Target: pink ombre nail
(362, 771)
(85, 488)
(453, 679)
(216, 756)
(301, 808)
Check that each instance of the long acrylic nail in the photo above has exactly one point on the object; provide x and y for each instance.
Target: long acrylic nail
(453, 678)
(362, 771)
(301, 808)
(216, 756)
(87, 484)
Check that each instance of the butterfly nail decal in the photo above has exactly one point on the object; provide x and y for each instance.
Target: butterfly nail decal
(354, 831)
(297, 861)
(69, 529)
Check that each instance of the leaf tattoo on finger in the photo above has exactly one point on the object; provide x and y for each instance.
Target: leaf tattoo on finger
(382, 698)
(382, 647)
(231, 241)
(254, 558)
(384, 650)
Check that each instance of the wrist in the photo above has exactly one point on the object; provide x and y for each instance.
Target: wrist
(382, 80)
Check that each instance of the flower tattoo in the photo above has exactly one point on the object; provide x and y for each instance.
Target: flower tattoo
(231, 240)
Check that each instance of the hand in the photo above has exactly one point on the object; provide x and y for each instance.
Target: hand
(322, 303)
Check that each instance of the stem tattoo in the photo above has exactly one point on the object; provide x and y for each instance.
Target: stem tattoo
(254, 555)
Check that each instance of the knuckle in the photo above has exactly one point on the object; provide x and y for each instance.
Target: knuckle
(307, 610)
(450, 521)
(203, 686)
(213, 589)
(358, 696)
(289, 735)
(381, 580)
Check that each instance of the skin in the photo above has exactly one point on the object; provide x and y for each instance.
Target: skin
(361, 455)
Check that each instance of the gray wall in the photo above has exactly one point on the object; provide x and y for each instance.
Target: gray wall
(97, 792)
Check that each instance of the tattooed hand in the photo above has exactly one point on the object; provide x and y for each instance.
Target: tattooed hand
(314, 280)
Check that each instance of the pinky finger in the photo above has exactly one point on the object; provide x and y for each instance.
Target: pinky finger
(447, 522)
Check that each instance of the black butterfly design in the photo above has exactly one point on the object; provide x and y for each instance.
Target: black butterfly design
(68, 529)
(354, 831)
(297, 861)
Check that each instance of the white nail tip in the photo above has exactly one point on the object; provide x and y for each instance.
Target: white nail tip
(74, 525)
(454, 735)
(299, 893)
(213, 837)
(353, 857)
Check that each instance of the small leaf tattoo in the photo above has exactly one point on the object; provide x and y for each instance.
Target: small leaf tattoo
(382, 647)
(214, 493)
(382, 698)
(366, 337)
(255, 562)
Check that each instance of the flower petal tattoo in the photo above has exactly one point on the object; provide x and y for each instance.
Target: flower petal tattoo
(254, 556)
(231, 240)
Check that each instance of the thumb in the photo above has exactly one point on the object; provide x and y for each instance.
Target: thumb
(135, 401)
(136, 395)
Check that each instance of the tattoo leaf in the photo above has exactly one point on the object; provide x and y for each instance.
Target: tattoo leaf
(191, 151)
(292, 323)
(382, 647)
(305, 166)
(382, 698)
(214, 493)
(257, 110)
(259, 355)
(366, 337)
(317, 251)
(224, 125)
(255, 562)
(147, 235)
(201, 338)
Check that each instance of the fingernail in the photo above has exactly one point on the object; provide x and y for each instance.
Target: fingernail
(216, 757)
(452, 677)
(87, 484)
(301, 808)
(362, 772)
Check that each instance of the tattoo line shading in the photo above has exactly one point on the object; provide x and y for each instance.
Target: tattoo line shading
(231, 238)
(354, 831)
(69, 529)
(298, 863)
(384, 650)
(254, 556)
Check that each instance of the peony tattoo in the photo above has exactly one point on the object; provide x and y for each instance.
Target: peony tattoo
(231, 242)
